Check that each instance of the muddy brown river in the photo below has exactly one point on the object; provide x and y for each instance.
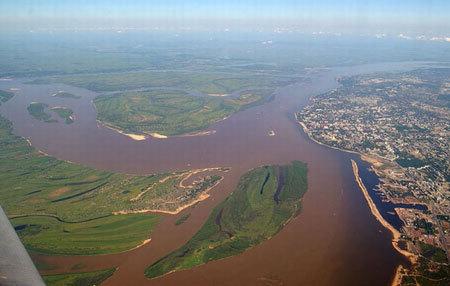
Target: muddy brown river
(334, 241)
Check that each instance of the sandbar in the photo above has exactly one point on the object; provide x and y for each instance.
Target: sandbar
(376, 213)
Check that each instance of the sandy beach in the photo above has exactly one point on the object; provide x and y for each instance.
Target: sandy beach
(137, 137)
(159, 136)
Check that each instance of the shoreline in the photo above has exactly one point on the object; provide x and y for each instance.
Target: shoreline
(397, 280)
(141, 137)
(142, 244)
(305, 129)
(144, 136)
(158, 136)
(136, 137)
(198, 133)
(396, 235)
(203, 196)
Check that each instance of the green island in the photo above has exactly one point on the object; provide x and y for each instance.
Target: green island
(79, 279)
(5, 95)
(63, 94)
(168, 112)
(58, 207)
(204, 82)
(37, 110)
(65, 113)
(264, 201)
(172, 102)
(182, 219)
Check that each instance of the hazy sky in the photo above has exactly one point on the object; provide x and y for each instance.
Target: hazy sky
(376, 16)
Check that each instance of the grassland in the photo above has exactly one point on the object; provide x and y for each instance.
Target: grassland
(65, 113)
(172, 102)
(66, 200)
(37, 110)
(168, 112)
(207, 83)
(109, 234)
(264, 201)
(79, 279)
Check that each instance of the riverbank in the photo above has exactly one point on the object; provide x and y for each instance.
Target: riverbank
(203, 196)
(140, 245)
(199, 133)
(249, 216)
(399, 272)
(137, 137)
(141, 137)
(158, 136)
(396, 235)
(306, 130)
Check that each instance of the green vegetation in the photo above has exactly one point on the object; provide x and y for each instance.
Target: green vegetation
(431, 272)
(32, 183)
(182, 219)
(444, 217)
(69, 206)
(427, 226)
(168, 112)
(79, 279)
(37, 110)
(406, 160)
(25, 55)
(109, 234)
(41, 53)
(65, 113)
(167, 107)
(264, 201)
(205, 82)
(5, 95)
(433, 253)
(432, 268)
(64, 94)
(43, 266)
(174, 102)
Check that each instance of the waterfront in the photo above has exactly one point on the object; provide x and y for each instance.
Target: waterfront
(334, 241)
